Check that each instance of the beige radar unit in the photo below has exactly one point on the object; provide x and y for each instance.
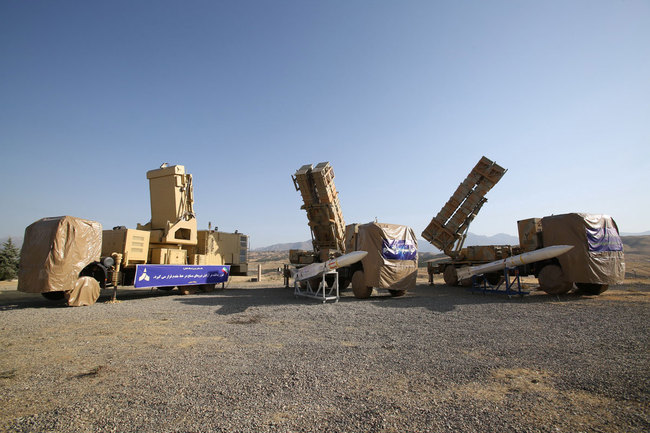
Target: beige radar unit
(73, 258)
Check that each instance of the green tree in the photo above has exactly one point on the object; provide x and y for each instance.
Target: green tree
(9, 259)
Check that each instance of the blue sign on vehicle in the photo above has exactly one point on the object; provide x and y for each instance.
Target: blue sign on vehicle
(179, 275)
(604, 239)
(398, 249)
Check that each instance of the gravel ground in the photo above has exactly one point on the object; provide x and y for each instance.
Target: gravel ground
(252, 358)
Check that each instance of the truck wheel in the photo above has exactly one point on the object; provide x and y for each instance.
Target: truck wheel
(361, 291)
(85, 292)
(97, 272)
(591, 288)
(207, 287)
(551, 280)
(396, 293)
(187, 290)
(450, 276)
(53, 296)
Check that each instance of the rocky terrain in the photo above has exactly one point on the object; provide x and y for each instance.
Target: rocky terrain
(253, 358)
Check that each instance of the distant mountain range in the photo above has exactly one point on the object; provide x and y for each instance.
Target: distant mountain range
(426, 247)
(636, 234)
(636, 244)
(306, 245)
(423, 246)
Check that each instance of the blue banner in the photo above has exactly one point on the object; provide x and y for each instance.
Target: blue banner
(179, 275)
(604, 239)
(399, 250)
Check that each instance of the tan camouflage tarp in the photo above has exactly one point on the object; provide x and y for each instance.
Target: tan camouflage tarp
(85, 292)
(55, 250)
(392, 260)
(597, 256)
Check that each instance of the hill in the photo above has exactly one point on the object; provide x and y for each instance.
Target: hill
(424, 246)
(633, 244)
(474, 239)
(646, 233)
(305, 245)
(636, 245)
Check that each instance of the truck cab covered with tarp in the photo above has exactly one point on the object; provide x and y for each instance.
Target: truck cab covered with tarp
(55, 250)
(392, 260)
(597, 254)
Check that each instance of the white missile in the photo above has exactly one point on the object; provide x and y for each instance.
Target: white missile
(511, 262)
(316, 269)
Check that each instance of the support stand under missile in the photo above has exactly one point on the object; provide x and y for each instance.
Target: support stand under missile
(509, 285)
(322, 292)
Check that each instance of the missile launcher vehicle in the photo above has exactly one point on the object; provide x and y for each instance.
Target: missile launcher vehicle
(391, 262)
(595, 261)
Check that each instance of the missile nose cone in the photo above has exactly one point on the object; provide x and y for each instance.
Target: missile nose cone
(564, 248)
(556, 250)
(350, 258)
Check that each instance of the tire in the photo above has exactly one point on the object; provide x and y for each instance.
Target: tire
(591, 288)
(493, 278)
(361, 291)
(97, 272)
(207, 287)
(450, 276)
(551, 280)
(467, 282)
(396, 293)
(187, 290)
(53, 296)
(85, 292)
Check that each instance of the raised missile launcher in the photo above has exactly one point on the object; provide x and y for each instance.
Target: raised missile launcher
(594, 262)
(391, 262)
(448, 229)
(321, 202)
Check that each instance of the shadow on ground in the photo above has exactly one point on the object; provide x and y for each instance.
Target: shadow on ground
(439, 299)
(14, 300)
(234, 300)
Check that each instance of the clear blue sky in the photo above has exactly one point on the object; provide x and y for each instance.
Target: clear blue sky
(402, 97)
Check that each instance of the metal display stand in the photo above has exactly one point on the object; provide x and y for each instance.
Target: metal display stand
(322, 293)
(509, 285)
